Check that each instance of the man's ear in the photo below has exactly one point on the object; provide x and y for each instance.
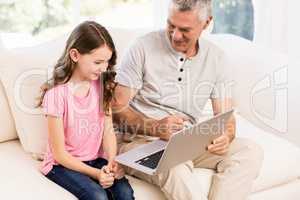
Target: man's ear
(74, 55)
(207, 22)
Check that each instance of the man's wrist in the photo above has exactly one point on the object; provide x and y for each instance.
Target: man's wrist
(152, 125)
(230, 136)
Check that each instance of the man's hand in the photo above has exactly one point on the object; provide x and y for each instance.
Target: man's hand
(220, 145)
(165, 127)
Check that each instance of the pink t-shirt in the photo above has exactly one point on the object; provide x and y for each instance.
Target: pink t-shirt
(83, 122)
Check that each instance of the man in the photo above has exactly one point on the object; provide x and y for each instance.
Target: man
(165, 79)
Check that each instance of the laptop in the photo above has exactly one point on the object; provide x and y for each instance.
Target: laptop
(187, 144)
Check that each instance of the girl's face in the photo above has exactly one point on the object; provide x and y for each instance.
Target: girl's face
(91, 65)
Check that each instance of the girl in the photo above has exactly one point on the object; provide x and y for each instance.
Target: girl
(76, 102)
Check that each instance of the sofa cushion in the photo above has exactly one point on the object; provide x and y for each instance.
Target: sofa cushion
(7, 128)
(287, 191)
(20, 178)
(22, 73)
(17, 166)
(280, 166)
(281, 158)
(22, 92)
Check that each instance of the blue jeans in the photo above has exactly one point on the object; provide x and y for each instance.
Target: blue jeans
(86, 188)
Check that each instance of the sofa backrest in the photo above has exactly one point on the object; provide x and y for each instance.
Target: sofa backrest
(262, 85)
(24, 70)
(7, 127)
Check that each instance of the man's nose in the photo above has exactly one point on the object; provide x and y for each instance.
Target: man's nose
(177, 35)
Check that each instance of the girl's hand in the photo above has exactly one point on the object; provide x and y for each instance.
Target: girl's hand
(117, 169)
(105, 177)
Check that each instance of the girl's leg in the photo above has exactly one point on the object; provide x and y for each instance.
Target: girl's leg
(121, 189)
(80, 185)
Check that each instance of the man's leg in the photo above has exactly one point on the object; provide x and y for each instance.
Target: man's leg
(235, 171)
(178, 183)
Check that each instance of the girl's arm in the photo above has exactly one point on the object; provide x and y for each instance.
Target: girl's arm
(110, 148)
(56, 140)
(109, 139)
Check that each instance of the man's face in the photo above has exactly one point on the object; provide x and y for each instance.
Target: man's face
(184, 28)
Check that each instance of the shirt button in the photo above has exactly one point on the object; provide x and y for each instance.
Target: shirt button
(181, 70)
(181, 59)
(179, 79)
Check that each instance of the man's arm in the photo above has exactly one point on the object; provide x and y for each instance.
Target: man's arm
(124, 115)
(222, 106)
(221, 144)
(137, 122)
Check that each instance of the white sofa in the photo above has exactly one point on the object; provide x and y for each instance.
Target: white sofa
(23, 132)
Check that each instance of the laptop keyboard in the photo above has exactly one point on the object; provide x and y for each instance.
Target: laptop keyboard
(152, 160)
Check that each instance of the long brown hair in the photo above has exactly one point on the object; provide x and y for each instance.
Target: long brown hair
(86, 37)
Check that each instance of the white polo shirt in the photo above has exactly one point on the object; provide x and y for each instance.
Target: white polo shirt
(167, 81)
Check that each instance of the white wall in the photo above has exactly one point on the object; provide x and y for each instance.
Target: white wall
(270, 21)
(294, 68)
(1, 43)
(160, 10)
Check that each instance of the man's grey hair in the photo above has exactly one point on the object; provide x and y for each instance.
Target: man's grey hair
(204, 6)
